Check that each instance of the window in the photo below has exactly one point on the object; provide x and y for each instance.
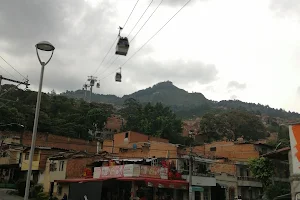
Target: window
(197, 195)
(59, 190)
(27, 156)
(213, 148)
(52, 167)
(206, 194)
(126, 135)
(61, 165)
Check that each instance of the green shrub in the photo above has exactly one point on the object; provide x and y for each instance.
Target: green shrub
(21, 185)
(37, 189)
(42, 196)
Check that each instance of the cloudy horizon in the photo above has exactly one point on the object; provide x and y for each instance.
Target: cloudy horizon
(245, 50)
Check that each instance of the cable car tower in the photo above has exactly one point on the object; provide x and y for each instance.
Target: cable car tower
(92, 80)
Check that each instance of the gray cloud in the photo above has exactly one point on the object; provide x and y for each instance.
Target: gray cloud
(82, 35)
(178, 2)
(178, 71)
(285, 7)
(298, 90)
(233, 97)
(236, 85)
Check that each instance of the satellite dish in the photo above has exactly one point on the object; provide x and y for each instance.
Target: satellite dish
(134, 146)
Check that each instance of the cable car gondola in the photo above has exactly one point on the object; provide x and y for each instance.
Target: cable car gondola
(98, 85)
(119, 76)
(122, 45)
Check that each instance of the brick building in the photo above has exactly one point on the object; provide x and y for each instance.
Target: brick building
(54, 141)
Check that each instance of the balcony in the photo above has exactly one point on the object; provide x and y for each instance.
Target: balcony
(247, 181)
(8, 161)
(197, 173)
(35, 165)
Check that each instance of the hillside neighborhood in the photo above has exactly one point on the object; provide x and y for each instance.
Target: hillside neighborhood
(220, 169)
(149, 100)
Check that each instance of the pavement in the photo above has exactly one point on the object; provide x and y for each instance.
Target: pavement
(5, 196)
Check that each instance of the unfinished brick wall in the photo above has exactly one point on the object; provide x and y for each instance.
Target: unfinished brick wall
(56, 141)
(232, 151)
(223, 168)
(76, 166)
(114, 123)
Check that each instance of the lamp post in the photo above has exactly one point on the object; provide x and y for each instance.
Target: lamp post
(43, 46)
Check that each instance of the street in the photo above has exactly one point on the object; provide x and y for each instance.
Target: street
(5, 196)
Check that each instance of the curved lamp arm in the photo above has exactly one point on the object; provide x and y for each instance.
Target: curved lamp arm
(43, 63)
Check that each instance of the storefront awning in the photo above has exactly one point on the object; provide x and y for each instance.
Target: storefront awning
(197, 189)
(81, 180)
(161, 183)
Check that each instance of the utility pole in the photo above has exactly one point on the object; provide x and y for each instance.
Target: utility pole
(191, 168)
(92, 80)
(14, 81)
(190, 174)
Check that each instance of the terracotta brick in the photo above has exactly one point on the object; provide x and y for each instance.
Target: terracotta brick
(49, 140)
(223, 168)
(76, 166)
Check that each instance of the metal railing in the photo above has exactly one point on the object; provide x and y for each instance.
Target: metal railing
(247, 178)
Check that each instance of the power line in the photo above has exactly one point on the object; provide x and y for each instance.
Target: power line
(13, 67)
(148, 40)
(8, 72)
(140, 28)
(130, 14)
(140, 18)
(110, 64)
(146, 20)
(116, 37)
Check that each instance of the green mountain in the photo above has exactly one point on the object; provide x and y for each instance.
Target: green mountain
(183, 103)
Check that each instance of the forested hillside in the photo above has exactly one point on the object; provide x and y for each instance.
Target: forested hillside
(183, 103)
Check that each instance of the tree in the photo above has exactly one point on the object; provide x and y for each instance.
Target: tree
(232, 124)
(262, 169)
(58, 114)
(155, 120)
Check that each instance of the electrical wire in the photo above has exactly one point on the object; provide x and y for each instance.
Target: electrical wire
(140, 18)
(147, 41)
(9, 90)
(13, 67)
(116, 58)
(138, 30)
(130, 14)
(116, 37)
(8, 72)
(146, 21)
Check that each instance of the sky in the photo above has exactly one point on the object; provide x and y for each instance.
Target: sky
(246, 50)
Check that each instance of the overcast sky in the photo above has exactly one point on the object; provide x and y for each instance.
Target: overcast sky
(247, 50)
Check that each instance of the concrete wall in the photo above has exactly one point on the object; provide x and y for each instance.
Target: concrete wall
(58, 174)
(230, 182)
(35, 163)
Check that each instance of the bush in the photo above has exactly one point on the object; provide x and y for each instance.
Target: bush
(37, 189)
(42, 196)
(53, 198)
(21, 185)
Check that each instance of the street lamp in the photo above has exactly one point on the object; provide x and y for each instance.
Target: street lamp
(43, 46)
